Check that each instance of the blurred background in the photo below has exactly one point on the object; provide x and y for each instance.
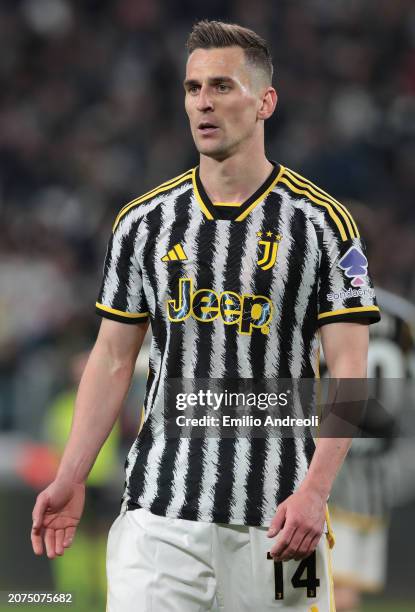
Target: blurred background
(91, 115)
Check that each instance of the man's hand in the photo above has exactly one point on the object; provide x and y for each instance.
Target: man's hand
(298, 525)
(56, 515)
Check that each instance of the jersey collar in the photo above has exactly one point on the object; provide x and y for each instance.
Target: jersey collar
(233, 211)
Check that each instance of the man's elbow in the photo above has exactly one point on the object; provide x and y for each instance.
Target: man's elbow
(118, 365)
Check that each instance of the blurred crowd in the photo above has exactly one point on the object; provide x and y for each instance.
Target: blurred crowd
(91, 115)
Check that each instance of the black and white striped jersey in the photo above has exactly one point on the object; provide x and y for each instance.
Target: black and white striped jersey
(232, 290)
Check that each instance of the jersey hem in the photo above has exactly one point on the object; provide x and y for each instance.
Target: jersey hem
(190, 516)
(118, 316)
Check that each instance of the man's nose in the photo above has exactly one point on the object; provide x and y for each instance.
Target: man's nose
(204, 102)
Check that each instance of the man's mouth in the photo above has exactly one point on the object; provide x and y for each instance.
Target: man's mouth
(205, 127)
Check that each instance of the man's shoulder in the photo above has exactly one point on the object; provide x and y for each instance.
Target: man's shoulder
(145, 202)
(301, 187)
(302, 192)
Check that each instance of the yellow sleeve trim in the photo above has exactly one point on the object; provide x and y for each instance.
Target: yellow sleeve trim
(128, 315)
(333, 313)
(151, 194)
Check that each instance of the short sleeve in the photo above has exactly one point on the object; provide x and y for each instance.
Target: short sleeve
(346, 290)
(122, 297)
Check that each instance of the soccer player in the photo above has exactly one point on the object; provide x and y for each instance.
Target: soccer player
(379, 473)
(239, 265)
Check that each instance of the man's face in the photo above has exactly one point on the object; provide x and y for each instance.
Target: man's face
(221, 100)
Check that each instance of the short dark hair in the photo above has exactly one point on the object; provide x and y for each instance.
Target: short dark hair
(217, 34)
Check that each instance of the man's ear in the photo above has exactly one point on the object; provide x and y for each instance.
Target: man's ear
(268, 104)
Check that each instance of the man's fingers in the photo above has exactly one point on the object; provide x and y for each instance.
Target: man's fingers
(50, 543)
(59, 537)
(302, 544)
(291, 550)
(282, 541)
(39, 510)
(69, 536)
(313, 545)
(37, 542)
(277, 522)
(55, 540)
(303, 549)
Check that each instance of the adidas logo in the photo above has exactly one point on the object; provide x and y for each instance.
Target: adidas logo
(175, 254)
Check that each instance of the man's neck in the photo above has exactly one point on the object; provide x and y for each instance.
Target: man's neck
(234, 179)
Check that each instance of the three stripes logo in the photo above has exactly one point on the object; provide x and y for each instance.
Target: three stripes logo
(175, 254)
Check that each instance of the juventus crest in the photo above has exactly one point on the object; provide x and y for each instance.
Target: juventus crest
(270, 249)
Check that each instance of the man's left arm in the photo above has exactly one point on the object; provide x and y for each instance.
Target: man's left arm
(299, 521)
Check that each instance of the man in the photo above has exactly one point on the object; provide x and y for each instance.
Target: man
(236, 263)
(367, 487)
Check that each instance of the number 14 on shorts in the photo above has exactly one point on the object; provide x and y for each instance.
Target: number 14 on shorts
(303, 577)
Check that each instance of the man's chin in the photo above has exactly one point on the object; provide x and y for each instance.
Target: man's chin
(214, 152)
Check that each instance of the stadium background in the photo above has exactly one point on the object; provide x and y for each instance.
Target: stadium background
(91, 115)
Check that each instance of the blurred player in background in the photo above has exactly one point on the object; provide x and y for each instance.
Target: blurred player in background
(379, 473)
(237, 264)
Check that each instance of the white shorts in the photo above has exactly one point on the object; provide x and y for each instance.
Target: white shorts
(360, 554)
(162, 564)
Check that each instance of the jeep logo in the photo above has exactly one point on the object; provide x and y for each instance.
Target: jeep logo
(205, 305)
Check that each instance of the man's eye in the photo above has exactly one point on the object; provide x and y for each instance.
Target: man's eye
(222, 87)
(193, 89)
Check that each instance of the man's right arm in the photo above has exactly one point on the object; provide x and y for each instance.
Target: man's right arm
(102, 390)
